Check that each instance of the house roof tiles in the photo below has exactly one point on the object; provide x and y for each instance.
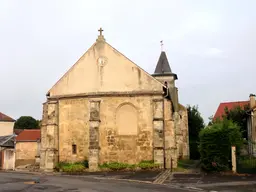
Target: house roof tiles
(221, 109)
(29, 135)
(4, 117)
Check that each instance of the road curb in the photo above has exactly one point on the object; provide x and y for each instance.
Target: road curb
(31, 173)
(222, 184)
(129, 180)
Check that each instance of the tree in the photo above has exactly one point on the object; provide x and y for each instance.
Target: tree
(215, 144)
(239, 116)
(210, 120)
(195, 125)
(26, 122)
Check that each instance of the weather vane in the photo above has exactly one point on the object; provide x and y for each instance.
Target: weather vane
(162, 45)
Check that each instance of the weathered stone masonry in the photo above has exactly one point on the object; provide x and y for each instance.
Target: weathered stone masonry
(107, 109)
(94, 146)
(158, 130)
(49, 132)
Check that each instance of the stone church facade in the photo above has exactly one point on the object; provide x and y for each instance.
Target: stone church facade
(107, 109)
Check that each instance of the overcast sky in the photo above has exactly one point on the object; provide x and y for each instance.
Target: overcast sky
(210, 44)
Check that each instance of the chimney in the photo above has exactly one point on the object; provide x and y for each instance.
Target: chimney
(252, 100)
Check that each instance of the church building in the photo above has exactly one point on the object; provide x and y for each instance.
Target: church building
(108, 109)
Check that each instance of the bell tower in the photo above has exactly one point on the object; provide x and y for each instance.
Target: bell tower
(163, 72)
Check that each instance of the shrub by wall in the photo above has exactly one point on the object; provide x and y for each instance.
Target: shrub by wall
(72, 167)
(215, 145)
(115, 166)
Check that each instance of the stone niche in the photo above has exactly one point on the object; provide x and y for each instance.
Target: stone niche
(127, 119)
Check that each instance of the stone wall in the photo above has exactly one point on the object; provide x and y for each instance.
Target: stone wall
(182, 134)
(125, 128)
(73, 129)
(170, 136)
(25, 153)
(129, 141)
(114, 129)
(49, 136)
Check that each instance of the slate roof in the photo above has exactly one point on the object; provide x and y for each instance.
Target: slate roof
(4, 117)
(163, 64)
(29, 135)
(7, 141)
(163, 67)
(221, 109)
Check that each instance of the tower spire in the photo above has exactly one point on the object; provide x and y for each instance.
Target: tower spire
(163, 64)
(163, 67)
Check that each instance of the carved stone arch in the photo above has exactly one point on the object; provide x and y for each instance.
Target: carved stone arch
(127, 119)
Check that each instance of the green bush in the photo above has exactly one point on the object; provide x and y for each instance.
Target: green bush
(247, 162)
(85, 163)
(115, 166)
(193, 149)
(215, 145)
(73, 168)
(147, 165)
(59, 165)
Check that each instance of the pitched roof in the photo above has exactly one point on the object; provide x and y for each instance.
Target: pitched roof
(163, 64)
(7, 141)
(163, 67)
(221, 109)
(17, 131)
(100, 38)
(29, 135)
(4, 117)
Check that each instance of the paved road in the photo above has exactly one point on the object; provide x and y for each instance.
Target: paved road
(242, 188)
(15, 182)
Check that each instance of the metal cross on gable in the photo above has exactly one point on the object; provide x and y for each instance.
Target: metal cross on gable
(100, 30)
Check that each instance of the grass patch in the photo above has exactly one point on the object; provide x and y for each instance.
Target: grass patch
(248, 163)
(72, 167)
(186, 163)
(179, 169)
(115, 166)
(147, 165)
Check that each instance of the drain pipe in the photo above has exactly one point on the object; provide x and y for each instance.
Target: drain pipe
(164, 134)
(167, 90)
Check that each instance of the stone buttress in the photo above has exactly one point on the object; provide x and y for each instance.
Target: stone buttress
(49, 136)
(94, 146)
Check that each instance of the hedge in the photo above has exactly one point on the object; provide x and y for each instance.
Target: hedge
(215, 145)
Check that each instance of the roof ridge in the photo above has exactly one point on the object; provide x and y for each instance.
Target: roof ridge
(234, 102)
(71, 68)
(150, 76)
(5, 117)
